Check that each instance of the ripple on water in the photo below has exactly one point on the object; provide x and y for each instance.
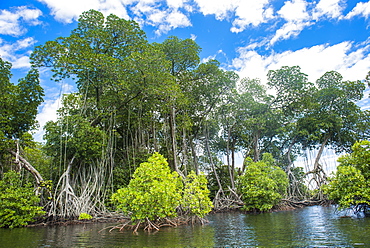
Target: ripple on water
(307, 227)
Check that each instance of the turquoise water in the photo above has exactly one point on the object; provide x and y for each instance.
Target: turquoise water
(308, 227)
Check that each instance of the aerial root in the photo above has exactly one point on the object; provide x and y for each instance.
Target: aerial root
(149, 225)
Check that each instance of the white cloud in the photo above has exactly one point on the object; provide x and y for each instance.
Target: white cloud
(48, 109)
(173, 20)
(294, 11)
(289, 30)
(150, 12)
(165, 19)
(361, 9)
(297, 17)
(329, 8)
(219, 8)
(17, 53)
(251, 13)
(246, 12)
(67, 11)
(352, 62)
(176, 3)
(10, 21)
(47, 112)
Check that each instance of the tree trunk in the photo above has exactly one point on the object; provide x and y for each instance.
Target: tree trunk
(25, 164)
(194, 155)
(256, 147)
(318, 174)
(211, 162)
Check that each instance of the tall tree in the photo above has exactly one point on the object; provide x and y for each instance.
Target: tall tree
(334, 118)
(18, 110)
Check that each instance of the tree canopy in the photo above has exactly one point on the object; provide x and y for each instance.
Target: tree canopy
(135, 98)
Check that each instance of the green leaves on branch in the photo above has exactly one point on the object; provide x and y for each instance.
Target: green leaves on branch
(350, 185)
(18, 103)
(196, 195)
(262, 185)
(18, 203)
(155, 192)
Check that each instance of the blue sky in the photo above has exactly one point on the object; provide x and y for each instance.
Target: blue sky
(248, 36)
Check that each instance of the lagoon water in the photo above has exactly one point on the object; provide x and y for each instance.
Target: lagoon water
(307, 227)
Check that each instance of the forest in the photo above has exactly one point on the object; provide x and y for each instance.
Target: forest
(154, 133)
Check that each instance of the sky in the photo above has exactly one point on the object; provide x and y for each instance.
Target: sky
(249, 37)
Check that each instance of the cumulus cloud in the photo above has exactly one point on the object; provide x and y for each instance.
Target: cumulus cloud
(351, 61)
(297, 18)
(329, 8)
(247, 12)
(251, 13)
(219, 8)
(165, 18)
(11, 21)
(17, 52)
(48, 109)
(361, 9)
(164, 15)
(173, 20)
(67, 11)
(294, 11)
(47, 112)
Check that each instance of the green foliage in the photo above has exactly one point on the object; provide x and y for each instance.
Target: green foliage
(350, 185)
(18, 104)
(73, 132)
(37, 157)
(224, 177)
(18, 203)
(84, 216)
(196, 195)
(262, 185)
(154, 192)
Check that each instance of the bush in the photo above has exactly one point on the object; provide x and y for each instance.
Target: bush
(350, 185)
(154, 192)
(262, 185)
(196, 195)
(18, 203)
(84, 216)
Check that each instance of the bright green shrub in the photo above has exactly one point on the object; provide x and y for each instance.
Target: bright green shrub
(262, 185)
(350, 185)
(18, 204)
(196, 195)
(154, 192)
(84, 216)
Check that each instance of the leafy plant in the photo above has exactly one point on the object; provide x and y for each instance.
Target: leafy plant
(154, 192)
(84, 216)
(196, 195)
(18, 202)
(350, 185)
(262, 185)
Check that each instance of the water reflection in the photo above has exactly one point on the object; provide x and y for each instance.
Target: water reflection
(307, 227)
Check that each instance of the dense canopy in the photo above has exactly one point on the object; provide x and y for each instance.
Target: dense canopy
(136, 98)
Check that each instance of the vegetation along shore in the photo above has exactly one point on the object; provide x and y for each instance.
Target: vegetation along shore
(144, 140)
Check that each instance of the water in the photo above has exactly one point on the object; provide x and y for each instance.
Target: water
(308, 227)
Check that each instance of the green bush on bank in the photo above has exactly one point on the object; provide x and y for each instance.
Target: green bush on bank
(155, 192)
(262, 185)
(196, 195)
(350, 185)
(18, 203)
